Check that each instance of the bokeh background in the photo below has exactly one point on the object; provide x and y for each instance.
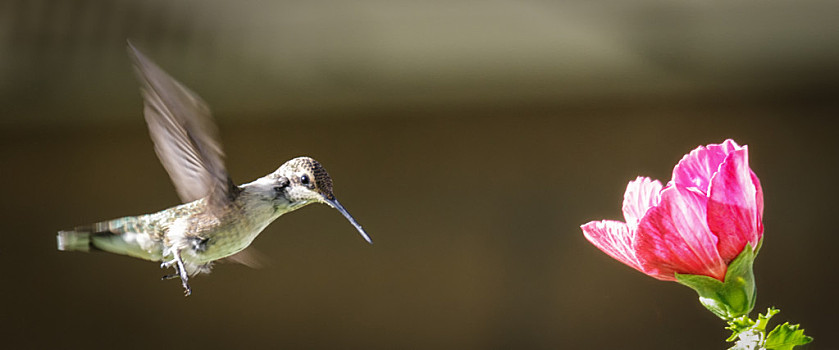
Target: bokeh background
(470, 138)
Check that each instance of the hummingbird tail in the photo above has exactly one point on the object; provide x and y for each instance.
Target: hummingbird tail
(83, 238)
(120, 236)
(74, 240)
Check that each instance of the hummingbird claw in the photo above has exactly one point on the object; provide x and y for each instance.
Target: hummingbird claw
(180, 271)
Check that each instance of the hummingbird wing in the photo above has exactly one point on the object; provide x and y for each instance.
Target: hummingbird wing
(185, 137)
(249, 257)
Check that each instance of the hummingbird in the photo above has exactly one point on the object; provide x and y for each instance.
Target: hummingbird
(217, 218)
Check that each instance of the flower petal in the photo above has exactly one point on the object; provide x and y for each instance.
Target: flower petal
(613, 238)
(697, 167)
(641, 195)
(674, 237)
(733, 213)
(759, 202)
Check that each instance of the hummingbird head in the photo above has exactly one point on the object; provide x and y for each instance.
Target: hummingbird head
(303, 181)
(307, 180)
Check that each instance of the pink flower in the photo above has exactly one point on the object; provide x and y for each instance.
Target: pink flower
(695, 225)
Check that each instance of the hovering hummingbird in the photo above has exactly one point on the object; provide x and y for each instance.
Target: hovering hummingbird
(218, 218)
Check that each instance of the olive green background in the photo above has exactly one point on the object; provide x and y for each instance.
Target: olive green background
(471, 139)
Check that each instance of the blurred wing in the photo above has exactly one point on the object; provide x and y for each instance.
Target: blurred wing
(249, 257)
(184, 135)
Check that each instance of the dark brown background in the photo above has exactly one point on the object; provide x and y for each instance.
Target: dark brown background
(470, 139)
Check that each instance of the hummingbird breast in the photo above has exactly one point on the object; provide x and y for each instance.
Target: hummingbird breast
(211, 238)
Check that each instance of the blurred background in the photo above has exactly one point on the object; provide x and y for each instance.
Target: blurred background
(470, 138)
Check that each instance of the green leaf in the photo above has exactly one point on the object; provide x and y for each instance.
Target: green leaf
(739, 325)
(786, 337)
(744, 326)
(763, 320)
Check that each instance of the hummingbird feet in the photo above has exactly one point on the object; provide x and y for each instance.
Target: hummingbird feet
(180, 271)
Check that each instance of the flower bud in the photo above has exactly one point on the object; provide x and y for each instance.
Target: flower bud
(733, 297)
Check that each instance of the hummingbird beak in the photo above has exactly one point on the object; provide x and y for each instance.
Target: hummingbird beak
(335, 204)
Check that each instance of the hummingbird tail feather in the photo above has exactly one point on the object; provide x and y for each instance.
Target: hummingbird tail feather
(120, 236)
(85, 238)
(74, 240)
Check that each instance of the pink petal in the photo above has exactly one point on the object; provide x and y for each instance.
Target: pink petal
(641, 195)
(696, 168)
(613, 238)
(674, 237)
(758, 201)
(733, 212)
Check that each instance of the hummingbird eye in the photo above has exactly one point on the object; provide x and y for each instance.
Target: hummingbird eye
(305, 180)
